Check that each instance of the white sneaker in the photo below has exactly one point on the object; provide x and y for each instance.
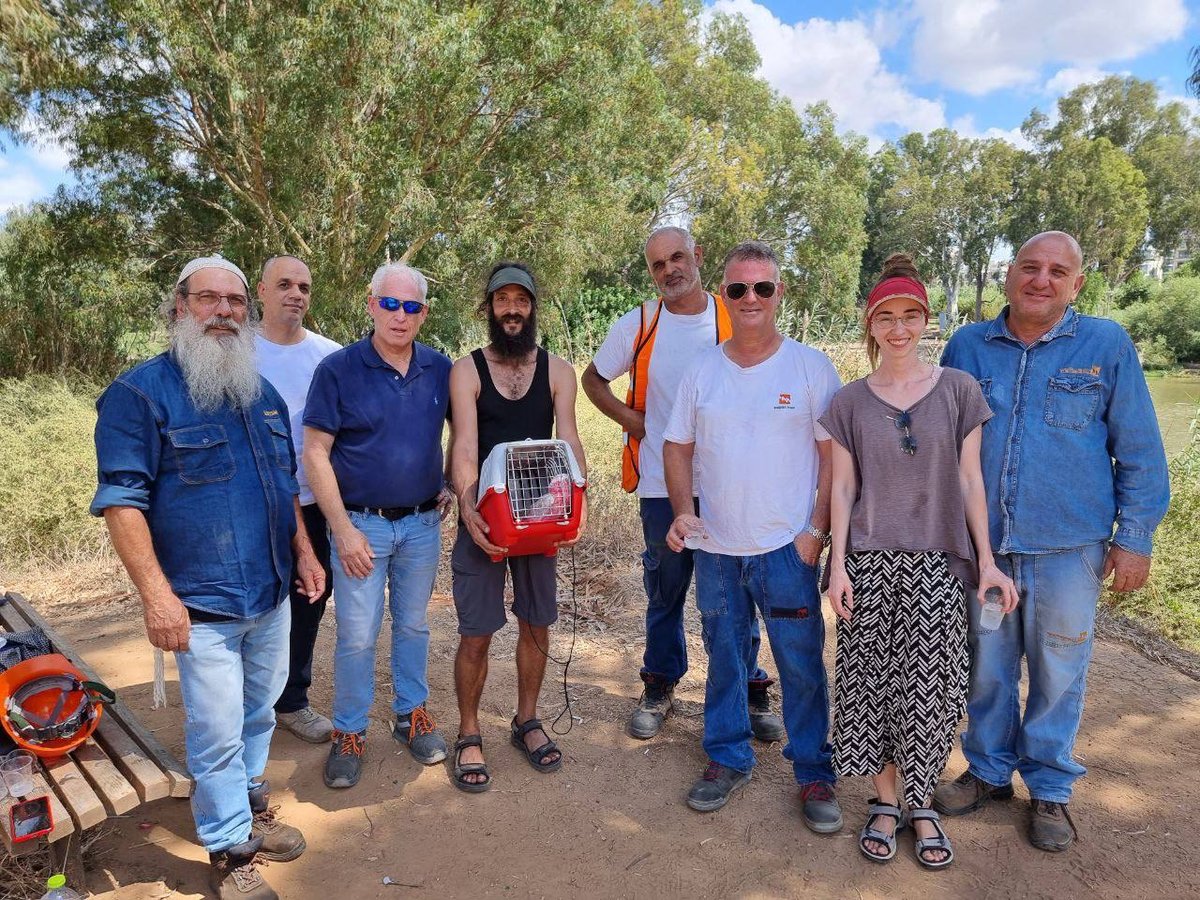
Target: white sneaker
(306, 724)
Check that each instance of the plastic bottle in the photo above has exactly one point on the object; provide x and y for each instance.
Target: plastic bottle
(993, 609)
(696, 539)
(56, 889)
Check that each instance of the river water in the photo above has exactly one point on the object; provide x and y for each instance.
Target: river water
(1176, 400)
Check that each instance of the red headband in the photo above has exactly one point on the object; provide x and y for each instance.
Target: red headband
(900, 286)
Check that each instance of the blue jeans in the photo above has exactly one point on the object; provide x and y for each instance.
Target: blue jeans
(406, 560)
(784, 589)
(667, 576)
(227, 742)
(1052, 628)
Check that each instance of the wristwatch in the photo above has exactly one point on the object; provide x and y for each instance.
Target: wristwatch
(822, 536)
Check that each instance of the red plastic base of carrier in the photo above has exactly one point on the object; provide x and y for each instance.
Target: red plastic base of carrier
(532, 536)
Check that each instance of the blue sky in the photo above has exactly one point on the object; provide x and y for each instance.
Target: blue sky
(887, 68)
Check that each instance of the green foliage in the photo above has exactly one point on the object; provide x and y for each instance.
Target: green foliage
(47, 470)
(1093, 298)
(1137, 289)
(1170, 602)
(1167, 326)
(586, 318)
(67, 301)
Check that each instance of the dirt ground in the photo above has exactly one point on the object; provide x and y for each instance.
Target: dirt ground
(612, 822)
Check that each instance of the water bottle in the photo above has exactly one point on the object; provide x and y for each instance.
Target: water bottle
(56, 889)
(993, 609)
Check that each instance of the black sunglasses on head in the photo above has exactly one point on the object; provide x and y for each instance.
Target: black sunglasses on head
(736, 290)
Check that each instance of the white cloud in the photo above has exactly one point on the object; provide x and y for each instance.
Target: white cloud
(835, 62)
(18, 188)
(966, 127)
(1066, 80)
(989, 44)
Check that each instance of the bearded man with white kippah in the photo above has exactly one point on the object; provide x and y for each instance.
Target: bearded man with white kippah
(197, 485)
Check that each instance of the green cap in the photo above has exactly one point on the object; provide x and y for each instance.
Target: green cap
(56, 881)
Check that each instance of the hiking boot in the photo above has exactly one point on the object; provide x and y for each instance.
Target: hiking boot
(714, 787)
(345, 759)
(656, 703)
(967, 793)
(1050, 826)
(232, 874)
(280, 843)
(819, 804)
(306, 724)
(418, 732)
(766, 725)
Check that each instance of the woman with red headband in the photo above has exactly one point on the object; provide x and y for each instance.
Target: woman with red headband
(909, 531)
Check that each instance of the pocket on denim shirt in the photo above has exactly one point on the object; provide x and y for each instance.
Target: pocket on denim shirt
(1071, 402)
(202, 453)
(281, 444)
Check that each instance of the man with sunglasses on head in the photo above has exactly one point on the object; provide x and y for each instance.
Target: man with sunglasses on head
(655, 343)
(373, 452)
(197, 487)
(746, 419)
(288, 354)
(510, 390)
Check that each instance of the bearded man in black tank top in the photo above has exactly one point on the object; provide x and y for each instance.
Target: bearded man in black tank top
(509, 390)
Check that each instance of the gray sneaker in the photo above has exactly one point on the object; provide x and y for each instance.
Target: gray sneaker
(306, 724)
(344, 765)
(656, 703)
(766, 725)
(819, 805)
(418, 732)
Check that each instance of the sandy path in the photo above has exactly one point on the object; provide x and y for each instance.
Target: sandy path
(612, 823)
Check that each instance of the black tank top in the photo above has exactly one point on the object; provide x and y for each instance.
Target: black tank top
(501, 420)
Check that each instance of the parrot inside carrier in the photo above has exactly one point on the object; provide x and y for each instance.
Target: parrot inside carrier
(531, 496)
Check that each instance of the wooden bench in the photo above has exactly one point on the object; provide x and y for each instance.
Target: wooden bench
(118, 769)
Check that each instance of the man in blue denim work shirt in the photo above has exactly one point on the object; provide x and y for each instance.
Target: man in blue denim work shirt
(1072, 452)
(197, 487)
(373, 453)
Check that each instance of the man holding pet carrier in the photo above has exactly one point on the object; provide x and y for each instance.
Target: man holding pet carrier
(510, 390)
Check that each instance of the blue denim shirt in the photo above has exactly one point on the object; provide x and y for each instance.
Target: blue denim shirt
(216, 487)
(1074, 445)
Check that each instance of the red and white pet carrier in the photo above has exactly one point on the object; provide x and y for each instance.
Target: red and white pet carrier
(531, 496)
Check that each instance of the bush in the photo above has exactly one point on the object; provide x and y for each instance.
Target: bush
(1167, 326)
(584, 320)
(1093, 298)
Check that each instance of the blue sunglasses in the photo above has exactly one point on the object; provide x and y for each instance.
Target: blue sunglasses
(391, 304)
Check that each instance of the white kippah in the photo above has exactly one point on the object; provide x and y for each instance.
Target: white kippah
(216, 261)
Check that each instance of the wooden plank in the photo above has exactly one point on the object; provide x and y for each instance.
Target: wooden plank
(148, 780)
(177, 776)
(63, 826)
(117, 794)
(77, 795)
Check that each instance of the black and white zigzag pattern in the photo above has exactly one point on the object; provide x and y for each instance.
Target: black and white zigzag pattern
(901, 670)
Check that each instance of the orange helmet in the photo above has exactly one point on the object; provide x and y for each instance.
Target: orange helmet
(48, 706)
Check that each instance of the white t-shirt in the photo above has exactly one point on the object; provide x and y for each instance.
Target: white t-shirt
(290, 367)
(677, 341)
(755, 432)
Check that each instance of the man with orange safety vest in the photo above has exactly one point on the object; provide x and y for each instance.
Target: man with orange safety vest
(656, 343)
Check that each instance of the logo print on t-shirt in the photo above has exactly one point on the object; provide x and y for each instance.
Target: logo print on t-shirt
(785, 401)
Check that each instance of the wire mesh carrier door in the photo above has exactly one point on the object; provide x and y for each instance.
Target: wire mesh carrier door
(531, 496)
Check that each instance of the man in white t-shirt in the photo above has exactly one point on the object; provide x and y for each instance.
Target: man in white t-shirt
(287, 355)
(746, 419)
(655, 343)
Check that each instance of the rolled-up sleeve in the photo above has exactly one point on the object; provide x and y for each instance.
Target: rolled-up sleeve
(128, 449)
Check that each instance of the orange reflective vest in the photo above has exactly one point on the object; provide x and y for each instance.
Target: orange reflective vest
(639, 378)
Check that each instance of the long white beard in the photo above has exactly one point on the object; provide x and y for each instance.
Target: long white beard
(218, 369)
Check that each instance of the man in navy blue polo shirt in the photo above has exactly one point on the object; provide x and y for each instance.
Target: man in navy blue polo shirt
(373, 452)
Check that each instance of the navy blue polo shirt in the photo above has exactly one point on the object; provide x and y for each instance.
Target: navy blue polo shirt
(386, 427)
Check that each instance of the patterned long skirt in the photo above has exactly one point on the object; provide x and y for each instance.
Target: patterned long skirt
(901, 670)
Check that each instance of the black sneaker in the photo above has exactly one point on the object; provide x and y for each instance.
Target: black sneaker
(657, 702)
(419, 733)
(344, 765)
(766, 725)
(714, 787)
